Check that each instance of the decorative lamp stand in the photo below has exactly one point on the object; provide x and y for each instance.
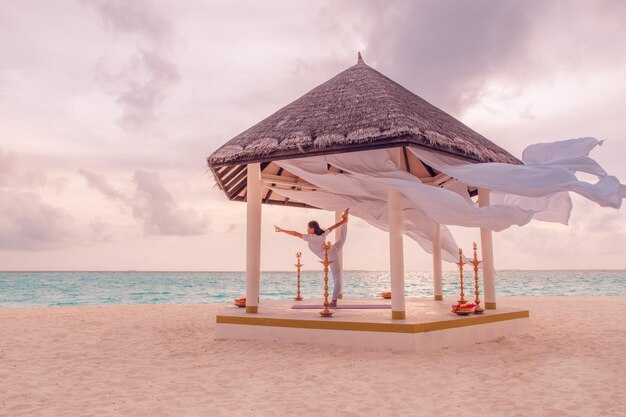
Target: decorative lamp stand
(460, 265)
(326, 312)
(299, 266)
(478, 309)
(462, 307)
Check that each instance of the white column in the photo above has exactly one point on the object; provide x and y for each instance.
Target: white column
(396, 248)
(396, 254)
(437, 267)
(338, 218)
(486, 245)
(253, 238)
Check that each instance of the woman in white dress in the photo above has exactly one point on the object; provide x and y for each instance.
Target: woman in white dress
(315, 237)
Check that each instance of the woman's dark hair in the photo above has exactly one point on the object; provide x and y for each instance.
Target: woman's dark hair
(316, 227)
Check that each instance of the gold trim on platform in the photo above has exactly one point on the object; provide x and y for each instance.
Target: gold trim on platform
(388, 327)
(398, 315)
(490, 305)
(252, 309)
(438, 297)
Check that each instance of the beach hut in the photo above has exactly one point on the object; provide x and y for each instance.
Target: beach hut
(359, 110)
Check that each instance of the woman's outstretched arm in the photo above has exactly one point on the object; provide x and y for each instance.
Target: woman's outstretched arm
(343, 221)
(289, 232)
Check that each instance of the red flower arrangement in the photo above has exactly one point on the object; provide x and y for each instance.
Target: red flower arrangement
(463, 309)
(240, 302)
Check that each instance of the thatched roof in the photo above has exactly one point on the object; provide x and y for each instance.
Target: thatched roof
(358, 109)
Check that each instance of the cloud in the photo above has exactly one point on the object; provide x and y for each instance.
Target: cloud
(60, 183)
(135, 16)
(7, 166)
(143, 84)
(152, 204)
(158, 210)
(101, 231)
(13, 176)
(140, 88)
(100, 183)
(28, 223)
(444, 50)
(448, 51)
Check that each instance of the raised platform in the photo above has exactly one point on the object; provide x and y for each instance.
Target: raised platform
(429, 325)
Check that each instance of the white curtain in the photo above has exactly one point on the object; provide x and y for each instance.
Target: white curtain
(537, 190)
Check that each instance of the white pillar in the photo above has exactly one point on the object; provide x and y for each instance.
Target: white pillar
(253, 238)
(396, 247)
(338, 218)
(396, 254)
(437, 264)
(486, 245)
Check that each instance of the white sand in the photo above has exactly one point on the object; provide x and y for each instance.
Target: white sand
(161, 360)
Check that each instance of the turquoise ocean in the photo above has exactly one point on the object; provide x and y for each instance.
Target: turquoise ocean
(41, 289)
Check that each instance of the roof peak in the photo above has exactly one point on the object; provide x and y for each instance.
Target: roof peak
(359, 58)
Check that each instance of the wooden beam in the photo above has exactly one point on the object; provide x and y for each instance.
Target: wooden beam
(269, 192)
(233, 175)
(406, 160)
(236, 190)
(288, 182)
(241, 179)
(430, 170)
(244, 183)
(282, 203)
(219, 173)
(226, 170)
(437, 180)
(218, 180)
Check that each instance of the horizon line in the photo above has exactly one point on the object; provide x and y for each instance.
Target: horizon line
(304, 270)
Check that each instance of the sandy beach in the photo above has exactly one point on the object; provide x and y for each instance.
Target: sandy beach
(161, 360)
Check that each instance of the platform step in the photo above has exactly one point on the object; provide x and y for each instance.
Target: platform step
(343, 306)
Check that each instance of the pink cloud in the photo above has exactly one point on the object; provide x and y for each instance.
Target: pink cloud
(13, 175)
(140, 88)
(152, 205)
(143, 84)
(137, 16)
(28, 223)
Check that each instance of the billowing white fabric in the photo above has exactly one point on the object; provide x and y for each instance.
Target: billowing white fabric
(417, 225)
(542, 183)
(370, 174)
(541, 175)
(539, 189)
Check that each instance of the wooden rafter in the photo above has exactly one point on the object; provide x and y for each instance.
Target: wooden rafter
(269, 192)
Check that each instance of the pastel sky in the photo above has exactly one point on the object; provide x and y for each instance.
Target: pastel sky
(108, 109)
